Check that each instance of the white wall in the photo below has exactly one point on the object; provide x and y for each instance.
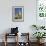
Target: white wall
(6, 15)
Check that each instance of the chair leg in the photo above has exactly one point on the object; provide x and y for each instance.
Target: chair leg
(5, 40)
(5, 43)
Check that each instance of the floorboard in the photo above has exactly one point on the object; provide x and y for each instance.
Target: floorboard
(13, 44)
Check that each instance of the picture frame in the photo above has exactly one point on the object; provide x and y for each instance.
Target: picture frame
(17, 13)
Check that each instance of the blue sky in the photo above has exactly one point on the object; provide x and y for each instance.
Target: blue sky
(17, 10)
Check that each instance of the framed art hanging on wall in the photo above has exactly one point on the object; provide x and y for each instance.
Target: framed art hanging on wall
(18, 13)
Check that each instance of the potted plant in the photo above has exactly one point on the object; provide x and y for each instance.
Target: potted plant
(39, 35)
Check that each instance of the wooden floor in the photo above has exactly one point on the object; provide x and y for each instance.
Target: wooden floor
(13, 44)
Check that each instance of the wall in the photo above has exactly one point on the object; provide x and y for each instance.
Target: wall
(6, 15)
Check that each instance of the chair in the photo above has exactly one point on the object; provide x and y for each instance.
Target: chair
(7, 35)
(26, 41)
(14, 32)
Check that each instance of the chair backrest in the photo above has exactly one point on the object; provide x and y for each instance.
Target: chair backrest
(14, 30)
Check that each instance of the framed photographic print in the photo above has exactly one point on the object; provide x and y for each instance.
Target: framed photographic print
(18, 13)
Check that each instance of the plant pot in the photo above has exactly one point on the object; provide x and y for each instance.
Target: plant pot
(40, 41)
